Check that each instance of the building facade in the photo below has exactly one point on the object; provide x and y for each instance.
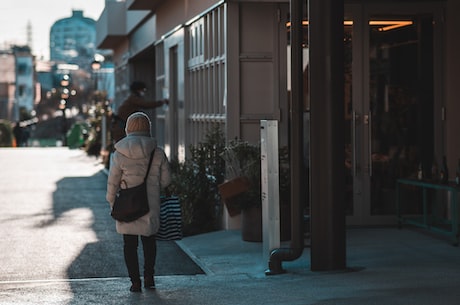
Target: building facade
(228, 64)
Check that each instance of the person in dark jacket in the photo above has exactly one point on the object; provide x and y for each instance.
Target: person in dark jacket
(134, 103)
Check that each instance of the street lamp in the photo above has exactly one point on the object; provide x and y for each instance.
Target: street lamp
(65, 94)
(96, 66)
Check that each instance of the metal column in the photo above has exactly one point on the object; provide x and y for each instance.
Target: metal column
(297, 167)
(327, 135)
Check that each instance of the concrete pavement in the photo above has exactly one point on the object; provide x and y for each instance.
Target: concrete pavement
(388, 266)
(385, 266)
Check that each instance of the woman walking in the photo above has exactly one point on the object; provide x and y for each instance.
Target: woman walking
(129, 164)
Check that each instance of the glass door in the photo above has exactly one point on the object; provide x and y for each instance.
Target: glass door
(389, 104)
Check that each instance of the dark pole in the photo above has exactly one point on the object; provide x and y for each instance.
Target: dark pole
(298, 169)
(298, 195)
(65, 94)
(96, 66)
(327, 135)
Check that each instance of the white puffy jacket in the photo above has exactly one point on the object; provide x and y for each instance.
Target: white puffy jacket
(129, 163)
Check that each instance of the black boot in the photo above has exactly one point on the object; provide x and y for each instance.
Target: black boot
(149, 282)
(132, 261)
(136, 286)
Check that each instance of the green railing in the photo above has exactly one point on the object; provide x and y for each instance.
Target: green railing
(433, 216)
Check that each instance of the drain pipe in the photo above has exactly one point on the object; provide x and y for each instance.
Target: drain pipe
(295, 147)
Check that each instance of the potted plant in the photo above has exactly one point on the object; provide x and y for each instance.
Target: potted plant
(241, 192)
(242, 163)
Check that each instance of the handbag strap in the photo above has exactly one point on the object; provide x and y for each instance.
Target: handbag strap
(150, 164)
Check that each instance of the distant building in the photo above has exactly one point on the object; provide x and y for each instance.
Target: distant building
(72, 40)
(17, 84)
(25, 79)
(7, 80)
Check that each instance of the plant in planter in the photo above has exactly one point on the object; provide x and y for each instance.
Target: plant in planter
(242, 161)
(242, 190)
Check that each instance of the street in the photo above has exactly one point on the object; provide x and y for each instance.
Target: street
(55, 223)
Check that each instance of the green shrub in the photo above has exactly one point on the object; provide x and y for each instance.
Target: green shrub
(195, 181)
(6, 134)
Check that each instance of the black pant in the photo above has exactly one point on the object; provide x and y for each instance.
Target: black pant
(149, 245)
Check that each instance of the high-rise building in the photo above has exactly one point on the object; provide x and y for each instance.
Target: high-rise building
(72, 40)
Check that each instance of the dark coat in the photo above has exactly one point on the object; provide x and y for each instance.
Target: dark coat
(132, 104)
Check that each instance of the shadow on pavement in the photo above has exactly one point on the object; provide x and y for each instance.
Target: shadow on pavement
(104, 258)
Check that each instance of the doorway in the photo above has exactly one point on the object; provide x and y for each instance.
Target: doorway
(174, 113)
(390, 101)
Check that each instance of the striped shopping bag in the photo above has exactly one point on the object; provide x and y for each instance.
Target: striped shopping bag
(170, 219)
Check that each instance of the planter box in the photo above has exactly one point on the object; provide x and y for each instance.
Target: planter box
(230, 191)
(251, 229)
(251, 224)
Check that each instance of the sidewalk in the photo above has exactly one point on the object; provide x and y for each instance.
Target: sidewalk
(385, 265)
(390, 266)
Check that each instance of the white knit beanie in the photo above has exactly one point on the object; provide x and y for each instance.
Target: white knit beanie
(138, 122)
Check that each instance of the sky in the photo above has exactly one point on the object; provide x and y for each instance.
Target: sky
(42, 14)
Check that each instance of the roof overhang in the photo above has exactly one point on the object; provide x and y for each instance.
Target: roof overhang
(151, 5)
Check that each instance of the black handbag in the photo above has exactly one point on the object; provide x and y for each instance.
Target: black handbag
(132, 203)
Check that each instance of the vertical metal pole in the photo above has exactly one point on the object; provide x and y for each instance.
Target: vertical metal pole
(270, 186)
(327, 135)
(104, 130)
(298, 195)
